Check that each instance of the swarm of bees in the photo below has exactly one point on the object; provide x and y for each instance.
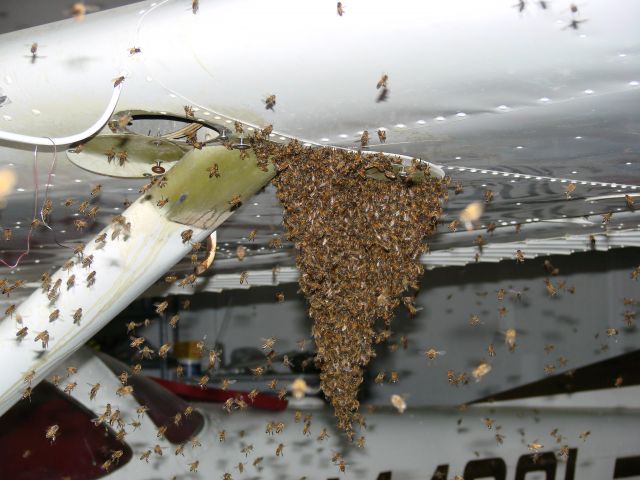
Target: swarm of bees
(385, 222)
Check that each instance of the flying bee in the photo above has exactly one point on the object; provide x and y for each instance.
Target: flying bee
(629, 201)
(173, 321)
(10, 310)
(94, 391)
(186, 235)
(279, 450)
(188, 280)
(398, 402)
(52, 433)
(22, 333)
(69, 387)
(195, 6)
(568, 189)
(606, 217)
(270, 102)
(163, 350)
(481, 370)
(204, 380)
(364, 139)
(43, 337)
(551, 290)
(432, 353)
(96, 190)
(279, 297)
(258, 371)
(535, 446)
(510, 338)
(87, 261)
(340, 9)
(134, 50)
(241, 252)
(124, 390)
(382, 83)
(382, 136)
(161, 307)
(243, 277)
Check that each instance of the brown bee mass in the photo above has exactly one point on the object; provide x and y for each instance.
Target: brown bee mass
(357, 239)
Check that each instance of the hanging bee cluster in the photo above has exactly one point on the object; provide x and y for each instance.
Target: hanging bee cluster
(359, 241)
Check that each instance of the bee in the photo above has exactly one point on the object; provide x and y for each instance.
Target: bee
(161, 307)
(606, 217)
(518, 228)
(432, 353)
(629, 201)
(29, 376)
(179, 371)
(10, 310)
(173, 321)
(569, 189)
(170, 278)
(213, 171)
(453, 226)
(235, 201)
(491, 227)
(56, 379)
(163, 350)
(188, 280)
(488, 196)
(243, 278)
(96, 190)
(124, 390)
(551, 290)
(203, 382)
(474, 320)
(364, 139)
(71, 371)
(134, 50)
(268, 343)
(398, 402)
(491, 350)
(53, 431)
(481, 370)
(80, 224)
(43, 337)
(91, 278)
(535, 446)
(145, 455)
(136, 342)
(22, 333)
(270, 102)
(195, 6)
(612, 332)
(340, 9)
(252, 235)
(186, 235)
(7, 233)
(123, 157)
(521, 5)
(499, 438)
(510, 338)
(488, 422)
(69, 387)
(382, 83)
(382, 136)
(279, 450)
(393, 377)
(118, 81)
(94, 391)
(161, 431)
(71, 281)
(257, 371)
(241, 252)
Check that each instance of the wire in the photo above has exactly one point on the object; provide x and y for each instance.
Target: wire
(35, 210)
